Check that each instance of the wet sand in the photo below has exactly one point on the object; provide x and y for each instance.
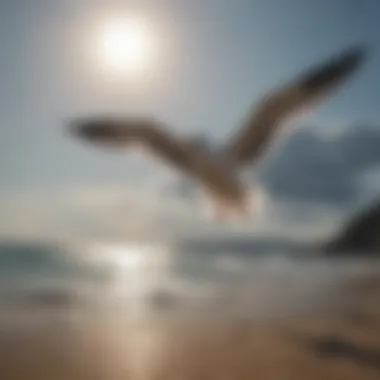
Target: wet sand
(334, 343)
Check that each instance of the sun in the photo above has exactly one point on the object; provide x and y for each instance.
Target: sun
(126, 45)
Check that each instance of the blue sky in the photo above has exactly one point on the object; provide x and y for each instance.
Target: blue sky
(219, 57)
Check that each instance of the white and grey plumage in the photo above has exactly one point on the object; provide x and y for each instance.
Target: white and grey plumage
(219, 173)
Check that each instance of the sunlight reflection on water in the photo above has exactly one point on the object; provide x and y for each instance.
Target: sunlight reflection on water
(142, 278)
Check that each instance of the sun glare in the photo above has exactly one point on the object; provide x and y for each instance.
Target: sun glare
(126, 45)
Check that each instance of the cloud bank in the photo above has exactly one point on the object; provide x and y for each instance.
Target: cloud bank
(323, 168)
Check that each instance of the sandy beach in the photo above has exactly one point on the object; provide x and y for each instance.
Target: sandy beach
(334, 343)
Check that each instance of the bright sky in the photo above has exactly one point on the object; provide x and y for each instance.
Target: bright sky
(214, 60)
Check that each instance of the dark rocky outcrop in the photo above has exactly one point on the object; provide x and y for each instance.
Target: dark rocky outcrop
(361, 234)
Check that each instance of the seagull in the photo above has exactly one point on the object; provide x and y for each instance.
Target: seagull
(218, 172)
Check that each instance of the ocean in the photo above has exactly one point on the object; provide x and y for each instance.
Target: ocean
(164, 277)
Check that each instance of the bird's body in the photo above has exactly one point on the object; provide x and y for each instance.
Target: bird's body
(218, 171)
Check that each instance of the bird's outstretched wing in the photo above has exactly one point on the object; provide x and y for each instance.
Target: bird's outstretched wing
(219, 182)
(123, 132)
(250, 142)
